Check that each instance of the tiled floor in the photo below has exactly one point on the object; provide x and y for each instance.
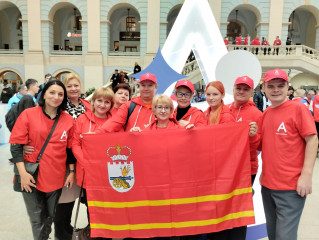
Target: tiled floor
(14, 223)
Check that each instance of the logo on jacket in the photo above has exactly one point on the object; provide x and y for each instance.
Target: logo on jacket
(282, 129)
(120, 170)
(64, 136)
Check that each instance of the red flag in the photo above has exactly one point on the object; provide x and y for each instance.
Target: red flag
(170, 182)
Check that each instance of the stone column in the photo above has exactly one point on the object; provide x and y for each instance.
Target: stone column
(93, 67)
(34, 59)
(275, 20)
(317, 37)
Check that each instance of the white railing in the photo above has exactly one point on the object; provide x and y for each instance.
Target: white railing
(63, 52)
(283, 50)
(190, 67)
(11, 51)
(265, 52)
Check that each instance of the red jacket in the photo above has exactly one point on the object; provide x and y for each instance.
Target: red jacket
(142, 116)
(225, 115)
(171, 124)
(255, 42)
(238, 41)
(32, 128)
(249, 112)
(85, 123)
(265, 43)
(226, 42)
(277, 42)
(193, 116)
(86, 104)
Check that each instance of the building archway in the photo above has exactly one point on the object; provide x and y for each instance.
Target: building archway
(67, 27)
(302, 28)
(12, 77)
(243, 20)
(124, 28)
(171, 17)
(10, 27)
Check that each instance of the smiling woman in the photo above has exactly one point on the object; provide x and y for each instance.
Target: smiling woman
(41, 195)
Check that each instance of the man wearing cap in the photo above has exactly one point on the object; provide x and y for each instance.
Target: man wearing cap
(245, 110)
(289, 148)
(184, 113)
(141, 108)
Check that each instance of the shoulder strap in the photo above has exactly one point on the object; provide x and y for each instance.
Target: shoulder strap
(48, 138)
(130, 111)
(78, 207)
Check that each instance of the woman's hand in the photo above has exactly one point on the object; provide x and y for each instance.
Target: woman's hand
(253, 129)
(135, 129)
(183, 123)
(189, 126)
(27, 149)
(27, 181)
(70, 180)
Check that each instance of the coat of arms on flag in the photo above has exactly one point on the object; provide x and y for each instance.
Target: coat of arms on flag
(120, 170)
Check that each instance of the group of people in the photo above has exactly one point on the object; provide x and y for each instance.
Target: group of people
(285, 133)
(265, 46)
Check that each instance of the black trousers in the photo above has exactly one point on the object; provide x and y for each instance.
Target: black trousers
(62, 221)
(41, 210)
(238, 233)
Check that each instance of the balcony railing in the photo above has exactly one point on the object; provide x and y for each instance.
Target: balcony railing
(63, 52)
(265, 52)
(11, 51)
(283, 50)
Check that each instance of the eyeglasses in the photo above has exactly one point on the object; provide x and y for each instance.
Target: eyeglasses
(181, 95)
(166, 108)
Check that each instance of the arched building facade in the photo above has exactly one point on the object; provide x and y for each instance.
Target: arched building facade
(92, 38)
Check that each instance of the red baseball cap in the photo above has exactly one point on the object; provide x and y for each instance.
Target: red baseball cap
(148, 76)
(275, 73)
(245, 80)
(185, 83)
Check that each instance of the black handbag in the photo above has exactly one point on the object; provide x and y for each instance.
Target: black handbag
(80, 233)
(30, 167)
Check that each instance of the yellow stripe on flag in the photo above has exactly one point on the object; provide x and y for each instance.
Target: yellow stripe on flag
(146, 226)
(167, 202)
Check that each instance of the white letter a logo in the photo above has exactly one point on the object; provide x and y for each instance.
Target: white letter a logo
(282, 127)
(64, 135)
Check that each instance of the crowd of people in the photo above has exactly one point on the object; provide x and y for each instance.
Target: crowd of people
(258, 44)
(285, 133)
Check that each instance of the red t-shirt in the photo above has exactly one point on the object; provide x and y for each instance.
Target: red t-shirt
(32, 128)
(283, 133)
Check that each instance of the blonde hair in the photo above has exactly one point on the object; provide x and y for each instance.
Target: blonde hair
(102, 92)
(162, 99)
(71, 76)
(299, 93)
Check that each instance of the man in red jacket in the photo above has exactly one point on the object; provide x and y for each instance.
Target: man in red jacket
(141, 115)
(277, 42)
(256, 42)
(245, 110)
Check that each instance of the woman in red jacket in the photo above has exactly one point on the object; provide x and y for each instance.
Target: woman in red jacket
(33, 127)
(217, 112)
(184, 113)
(89, 122)
(122, 93)
(162, 107)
